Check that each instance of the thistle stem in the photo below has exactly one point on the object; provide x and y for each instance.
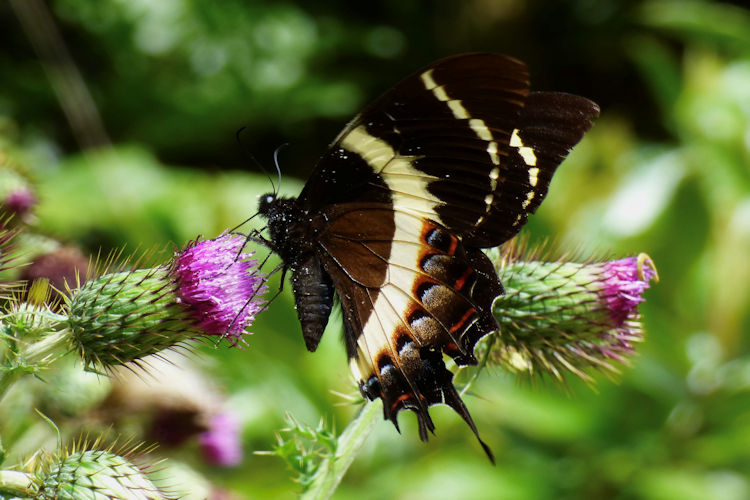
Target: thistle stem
(16, 484)
(333, 469)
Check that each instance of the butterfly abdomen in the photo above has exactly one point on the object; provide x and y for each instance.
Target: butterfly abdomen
(313, 299)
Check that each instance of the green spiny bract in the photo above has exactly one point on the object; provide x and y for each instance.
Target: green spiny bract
(125, 316)
(95, 475)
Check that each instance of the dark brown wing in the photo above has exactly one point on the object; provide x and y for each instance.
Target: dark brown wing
(462, 143)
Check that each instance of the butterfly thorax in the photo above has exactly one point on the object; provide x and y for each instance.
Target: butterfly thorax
(288, 227)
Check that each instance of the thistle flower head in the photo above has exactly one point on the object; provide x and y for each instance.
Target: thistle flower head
(63, 267)
(558, 317)
(221, 443)
(216, 282)
(208, 289)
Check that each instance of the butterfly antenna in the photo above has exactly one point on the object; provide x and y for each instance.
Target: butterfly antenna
(278, 168)
(238, 136)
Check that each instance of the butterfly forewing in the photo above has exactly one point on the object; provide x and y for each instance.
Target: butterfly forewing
(550, 124)
(459, 142)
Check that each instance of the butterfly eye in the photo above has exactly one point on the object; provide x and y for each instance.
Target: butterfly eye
(265, 201)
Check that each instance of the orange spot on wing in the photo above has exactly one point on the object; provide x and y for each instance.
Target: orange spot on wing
(460, 282)
(450, 347)
(428, 227)
(398, 401)
(469, 313)
(454, 245)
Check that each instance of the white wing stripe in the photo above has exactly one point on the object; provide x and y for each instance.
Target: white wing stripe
(526, 153)
(400, 270)
(407, 184)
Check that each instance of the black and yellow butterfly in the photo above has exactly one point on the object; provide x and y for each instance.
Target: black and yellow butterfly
(394, 217)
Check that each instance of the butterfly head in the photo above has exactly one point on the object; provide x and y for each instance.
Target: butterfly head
(266, 202)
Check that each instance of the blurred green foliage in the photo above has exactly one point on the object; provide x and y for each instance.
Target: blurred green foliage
(666, 170)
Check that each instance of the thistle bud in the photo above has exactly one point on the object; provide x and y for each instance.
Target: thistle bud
(210, 288)
(95, 474)
(20, 201)
(563, 316)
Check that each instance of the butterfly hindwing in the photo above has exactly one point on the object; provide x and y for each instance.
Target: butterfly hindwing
(411, 292)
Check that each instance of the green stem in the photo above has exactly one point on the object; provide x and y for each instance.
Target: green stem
(16, 484)
(34, 356)
(47, 350)
(7, 377)
(332, 470)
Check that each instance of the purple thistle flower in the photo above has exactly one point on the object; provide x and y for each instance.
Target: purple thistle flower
(220, 285)
(221, 442)
(20, 201)
(624, 283)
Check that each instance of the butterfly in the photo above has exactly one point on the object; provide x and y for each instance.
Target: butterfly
(395, 216)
